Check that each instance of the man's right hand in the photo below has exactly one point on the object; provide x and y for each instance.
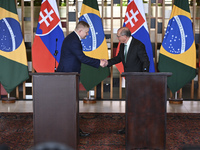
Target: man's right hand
(103, 62)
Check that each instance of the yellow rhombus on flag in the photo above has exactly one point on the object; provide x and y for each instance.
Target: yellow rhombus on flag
(94, 45)
(178, 51)
(13, 60)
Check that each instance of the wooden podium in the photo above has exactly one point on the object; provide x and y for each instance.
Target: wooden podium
(56, 108)
(146, 95)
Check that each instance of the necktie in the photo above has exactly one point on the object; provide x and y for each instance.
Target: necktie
(125, 52)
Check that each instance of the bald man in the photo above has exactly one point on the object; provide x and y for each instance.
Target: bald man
(132, 54)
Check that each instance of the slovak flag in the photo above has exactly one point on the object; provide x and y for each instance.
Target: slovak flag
(48, 40)
(135, 20)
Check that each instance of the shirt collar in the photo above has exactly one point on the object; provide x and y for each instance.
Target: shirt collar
(129, 41)
(78, 35)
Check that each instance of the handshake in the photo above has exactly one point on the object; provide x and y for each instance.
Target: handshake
(103, 63)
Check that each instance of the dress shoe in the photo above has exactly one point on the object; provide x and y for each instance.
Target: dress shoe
(122, 131)
(83, 134)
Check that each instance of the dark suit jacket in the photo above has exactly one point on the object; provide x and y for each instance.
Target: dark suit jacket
(137, 59)
(72, 55)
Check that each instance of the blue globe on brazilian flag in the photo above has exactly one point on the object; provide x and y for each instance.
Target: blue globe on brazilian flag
(179, 35)
(94, 45)
(96, 33)
(10, 33)
(13, 61)
(178, 51)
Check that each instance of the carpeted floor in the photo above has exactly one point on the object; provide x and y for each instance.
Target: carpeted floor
(16, 130)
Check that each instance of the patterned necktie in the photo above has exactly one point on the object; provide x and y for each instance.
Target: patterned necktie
(125, 52)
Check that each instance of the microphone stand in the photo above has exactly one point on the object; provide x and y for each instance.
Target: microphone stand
(55, 54)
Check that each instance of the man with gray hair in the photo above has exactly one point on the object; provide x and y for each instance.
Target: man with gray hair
(132, 54)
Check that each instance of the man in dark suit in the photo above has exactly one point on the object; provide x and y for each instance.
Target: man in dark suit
(136, 58)
(72, 54)
(132, 54)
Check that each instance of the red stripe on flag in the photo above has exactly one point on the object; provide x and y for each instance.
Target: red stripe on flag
(43, 60)
(2, 90)
(119, 65)
(81, 87)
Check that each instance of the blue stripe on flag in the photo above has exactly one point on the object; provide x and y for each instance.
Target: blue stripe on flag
(143, 36)
(50, 41)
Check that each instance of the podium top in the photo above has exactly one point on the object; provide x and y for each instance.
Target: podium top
(124, 74)
(57, 73)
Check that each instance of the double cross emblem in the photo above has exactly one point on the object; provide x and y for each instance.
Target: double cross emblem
(44, 18)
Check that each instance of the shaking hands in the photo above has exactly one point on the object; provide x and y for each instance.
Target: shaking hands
(103, 62)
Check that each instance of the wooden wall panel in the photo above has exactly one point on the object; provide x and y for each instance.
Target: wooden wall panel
(110, 18)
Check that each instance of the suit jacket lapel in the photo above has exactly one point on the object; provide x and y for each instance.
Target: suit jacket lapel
(129, 49)
(122, 49)
(77, 38)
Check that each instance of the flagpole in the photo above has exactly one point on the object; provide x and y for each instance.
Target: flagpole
(55, 54)
(8, 99)
(90, 99)
(176, 100)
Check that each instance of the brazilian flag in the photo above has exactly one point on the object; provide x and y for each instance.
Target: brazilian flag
(94, 45)
(178, 51)
(13, 61)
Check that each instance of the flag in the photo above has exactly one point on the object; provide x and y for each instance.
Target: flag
(178, 52)
(94, 45)
(135, 20)
(13, 60)
(48, 39)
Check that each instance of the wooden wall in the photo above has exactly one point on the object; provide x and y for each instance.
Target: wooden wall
(112, 13)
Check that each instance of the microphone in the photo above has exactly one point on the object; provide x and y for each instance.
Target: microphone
(55, 54)
(56, 51)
